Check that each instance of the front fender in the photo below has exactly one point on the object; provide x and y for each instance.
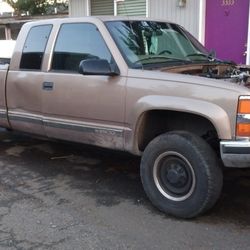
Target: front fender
(212, 112)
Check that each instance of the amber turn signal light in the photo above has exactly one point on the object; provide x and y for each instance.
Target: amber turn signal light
(244, 106)
(243, 129)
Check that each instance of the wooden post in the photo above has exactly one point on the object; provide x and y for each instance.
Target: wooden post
(7, 32)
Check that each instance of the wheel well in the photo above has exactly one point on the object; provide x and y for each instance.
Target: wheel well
(156, 122)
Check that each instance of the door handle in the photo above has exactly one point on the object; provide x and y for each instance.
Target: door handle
(48, 85)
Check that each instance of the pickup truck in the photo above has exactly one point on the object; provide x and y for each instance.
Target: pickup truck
(143, 86)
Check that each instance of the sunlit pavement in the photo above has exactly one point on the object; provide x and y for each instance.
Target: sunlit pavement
(68, 196)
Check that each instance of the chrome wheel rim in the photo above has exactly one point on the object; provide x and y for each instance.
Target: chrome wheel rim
(174, 176)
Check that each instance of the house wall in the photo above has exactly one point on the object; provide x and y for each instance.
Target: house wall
(78, 8)
(131, 8)
(188, 16)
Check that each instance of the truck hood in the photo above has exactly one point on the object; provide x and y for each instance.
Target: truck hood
(224, 76)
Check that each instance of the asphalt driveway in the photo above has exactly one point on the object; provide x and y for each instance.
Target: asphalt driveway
(68, 196)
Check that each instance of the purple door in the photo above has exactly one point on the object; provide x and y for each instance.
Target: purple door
(227, 28)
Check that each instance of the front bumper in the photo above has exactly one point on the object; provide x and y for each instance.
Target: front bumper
(235, 153)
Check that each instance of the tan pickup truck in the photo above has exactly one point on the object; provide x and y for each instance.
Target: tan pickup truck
(138, 85)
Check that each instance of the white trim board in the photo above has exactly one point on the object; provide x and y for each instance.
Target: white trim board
(248, 40)
(202, 21)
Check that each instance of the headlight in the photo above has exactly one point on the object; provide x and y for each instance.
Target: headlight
(243, 117)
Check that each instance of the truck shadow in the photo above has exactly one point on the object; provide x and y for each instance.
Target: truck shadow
(110, 178)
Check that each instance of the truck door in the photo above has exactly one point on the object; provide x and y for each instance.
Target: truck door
(87, 109)
(25, 78)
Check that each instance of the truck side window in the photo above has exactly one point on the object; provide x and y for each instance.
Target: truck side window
(34, 47)
(77, 42)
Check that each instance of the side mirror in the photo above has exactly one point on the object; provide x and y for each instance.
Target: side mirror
(97, 67)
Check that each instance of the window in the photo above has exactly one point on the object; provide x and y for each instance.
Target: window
(34, 47)
(102, 7)
(77, 42)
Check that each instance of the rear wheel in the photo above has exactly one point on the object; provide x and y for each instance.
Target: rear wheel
(180, 174)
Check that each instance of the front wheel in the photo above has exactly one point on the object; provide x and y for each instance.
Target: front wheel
(180, 174)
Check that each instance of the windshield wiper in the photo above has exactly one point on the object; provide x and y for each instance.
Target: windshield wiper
(149, 58)
(209, 56)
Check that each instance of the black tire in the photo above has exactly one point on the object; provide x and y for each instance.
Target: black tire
(180, 174)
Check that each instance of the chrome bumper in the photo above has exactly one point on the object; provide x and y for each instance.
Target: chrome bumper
(235, 153)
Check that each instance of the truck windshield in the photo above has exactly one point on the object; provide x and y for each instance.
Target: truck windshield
(155, 44)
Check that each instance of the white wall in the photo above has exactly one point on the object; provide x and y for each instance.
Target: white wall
(187, 16)
(190, 17)
(78, 8)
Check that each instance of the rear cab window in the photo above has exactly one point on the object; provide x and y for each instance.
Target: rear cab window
(34, 47)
